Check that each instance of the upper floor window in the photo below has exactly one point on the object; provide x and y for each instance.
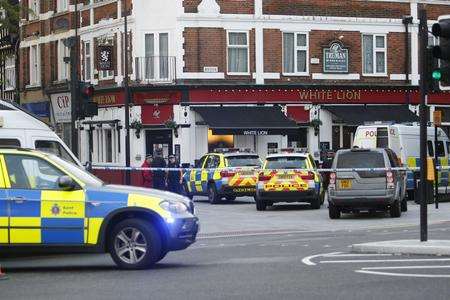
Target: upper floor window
(10, 73)
(295, 53)
(374, 54)
(63, 5)
(35, 65)
(34, 7)
(237, 45)
(87, 61)
(63, 67)
(156, 56)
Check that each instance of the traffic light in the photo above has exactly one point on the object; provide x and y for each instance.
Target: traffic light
(88, 108)
(433, 70)
(441, 74)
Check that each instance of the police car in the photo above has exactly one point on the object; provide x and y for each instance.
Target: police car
(47, 203)
(227, 173)
(289, 177)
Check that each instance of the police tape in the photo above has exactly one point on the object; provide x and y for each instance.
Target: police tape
(237, 169)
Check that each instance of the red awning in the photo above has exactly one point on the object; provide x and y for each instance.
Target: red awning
(298, 114)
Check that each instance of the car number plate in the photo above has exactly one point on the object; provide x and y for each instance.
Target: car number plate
(285, 177)
(345, 184)
(244, 190)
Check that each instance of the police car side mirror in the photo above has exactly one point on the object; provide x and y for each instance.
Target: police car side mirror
(66, 183)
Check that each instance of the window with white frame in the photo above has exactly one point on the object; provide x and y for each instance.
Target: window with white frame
(87, 61)
(63, 67)
(295, 53)
(156, 56)
(238, 52)
(62, 5)
(106, 75)
(374, 54)
(10, 73)
(35, 66)
(105, 148)
(34, 7)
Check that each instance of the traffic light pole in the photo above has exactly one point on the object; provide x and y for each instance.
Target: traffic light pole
(74, 98)
(127, 99)
(423, 38)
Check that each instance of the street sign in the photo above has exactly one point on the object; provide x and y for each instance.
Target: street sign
(437, 118)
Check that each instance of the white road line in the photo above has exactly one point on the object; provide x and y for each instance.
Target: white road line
(307, 260)
(380, 260)
(403, 274)
(406, 267)
(356, 255)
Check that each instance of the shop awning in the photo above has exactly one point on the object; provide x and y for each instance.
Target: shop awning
(360, 114)
(247, 120)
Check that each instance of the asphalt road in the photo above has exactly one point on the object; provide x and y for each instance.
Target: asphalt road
(251, 263)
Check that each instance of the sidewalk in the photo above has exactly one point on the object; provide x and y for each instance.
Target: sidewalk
(432, 247)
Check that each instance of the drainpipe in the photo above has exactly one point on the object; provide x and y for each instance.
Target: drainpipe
(406, 21)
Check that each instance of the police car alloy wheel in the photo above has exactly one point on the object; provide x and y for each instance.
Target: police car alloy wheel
(135, 244)
(212, 194)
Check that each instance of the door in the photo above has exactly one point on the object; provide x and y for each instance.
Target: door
(158, 139)
(4, 205)
(40, 211)
(195, 176)
(212, 163)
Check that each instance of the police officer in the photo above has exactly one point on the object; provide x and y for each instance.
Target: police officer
(159, 176)
(174, 177)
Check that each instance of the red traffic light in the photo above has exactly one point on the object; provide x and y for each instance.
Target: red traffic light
(87, 91)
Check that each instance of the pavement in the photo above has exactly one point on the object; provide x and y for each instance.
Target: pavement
(289, 252)
(431, 247)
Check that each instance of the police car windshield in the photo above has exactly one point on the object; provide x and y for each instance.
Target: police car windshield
(286, 163)
(244, 161)
(79, 173)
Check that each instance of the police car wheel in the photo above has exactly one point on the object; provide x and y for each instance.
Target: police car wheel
(212, 194)
(404, 205)
(230, 198)
(186, 191)
(316, 203)
(334, 212)
(135, 244)
(395, 209)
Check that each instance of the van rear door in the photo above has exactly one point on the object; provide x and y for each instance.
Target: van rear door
(54, 146)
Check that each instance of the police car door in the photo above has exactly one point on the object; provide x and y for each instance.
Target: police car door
(40, 211)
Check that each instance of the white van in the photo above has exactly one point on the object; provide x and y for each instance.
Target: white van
(18, 128)
(404, 141)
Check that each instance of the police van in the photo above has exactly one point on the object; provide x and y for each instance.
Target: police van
(20, 129)
(404, 139)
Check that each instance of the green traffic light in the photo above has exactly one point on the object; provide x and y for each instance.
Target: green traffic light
(437, 75)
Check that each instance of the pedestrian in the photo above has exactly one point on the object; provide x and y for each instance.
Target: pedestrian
(159, 176)
(174, 176)
(147, 176)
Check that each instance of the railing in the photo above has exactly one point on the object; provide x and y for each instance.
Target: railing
(156, 69)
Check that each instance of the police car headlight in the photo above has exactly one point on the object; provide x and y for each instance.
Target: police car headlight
(174, 207)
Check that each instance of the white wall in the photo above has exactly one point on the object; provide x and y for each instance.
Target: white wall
(325, 134)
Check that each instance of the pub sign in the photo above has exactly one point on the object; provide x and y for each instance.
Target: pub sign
(335, 58)
(105, 58)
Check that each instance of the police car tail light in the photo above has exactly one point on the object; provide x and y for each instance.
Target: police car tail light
(226, 173)
(309, 176)
(332, 183)
(264, 177)
(390, 180)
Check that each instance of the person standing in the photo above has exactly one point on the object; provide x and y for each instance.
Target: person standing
(159, 176)
(147, 176)
(174, 177)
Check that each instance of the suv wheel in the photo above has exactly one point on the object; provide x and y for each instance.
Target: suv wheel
(260, 204)
(135, 244)
(334, 212)
(404, 205)
(212, 194)
(395, 209)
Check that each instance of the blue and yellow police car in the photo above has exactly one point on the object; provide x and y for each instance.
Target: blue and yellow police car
(226, 173)
(47, 203)
(289, 177)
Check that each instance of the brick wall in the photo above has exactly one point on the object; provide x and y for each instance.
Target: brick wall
(105, 12)
(337, 8)
(226, 6)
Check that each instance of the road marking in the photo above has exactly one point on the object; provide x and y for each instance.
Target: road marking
(402, 274)
(307, 260)
(356, 255)
(406, 267)
(381, 260)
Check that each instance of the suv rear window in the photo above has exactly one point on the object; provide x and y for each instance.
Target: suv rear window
(286, 163)
(369, 159)
(243, 161)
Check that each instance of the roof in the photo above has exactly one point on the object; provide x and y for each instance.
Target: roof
(287, 155)
(361, 114)
(246, 120)
(238, 154)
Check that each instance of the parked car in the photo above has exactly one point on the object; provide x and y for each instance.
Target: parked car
(373, 190)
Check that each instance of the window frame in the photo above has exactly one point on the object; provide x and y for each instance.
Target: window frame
(296, 49)
(63, 68)
(10, 73)
(99, 148)
(87, 67)
(375, 49)
(35, 66)
(35, 10)
(247, 46)
(62, 5)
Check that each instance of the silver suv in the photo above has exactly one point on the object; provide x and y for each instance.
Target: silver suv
(372, 190)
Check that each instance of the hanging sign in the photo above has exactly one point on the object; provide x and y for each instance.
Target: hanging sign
(335, 58)
(105, 58)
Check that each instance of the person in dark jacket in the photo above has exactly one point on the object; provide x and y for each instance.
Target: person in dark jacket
(147, 176)
(174, 177)
(159, 177)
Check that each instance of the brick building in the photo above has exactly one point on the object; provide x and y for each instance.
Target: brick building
(193, 59)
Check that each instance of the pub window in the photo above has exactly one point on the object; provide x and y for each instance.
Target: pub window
(105, 148)
(237, 45)
(374, 54)
(295, 53)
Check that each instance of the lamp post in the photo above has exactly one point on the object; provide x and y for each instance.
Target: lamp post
(127, 97)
